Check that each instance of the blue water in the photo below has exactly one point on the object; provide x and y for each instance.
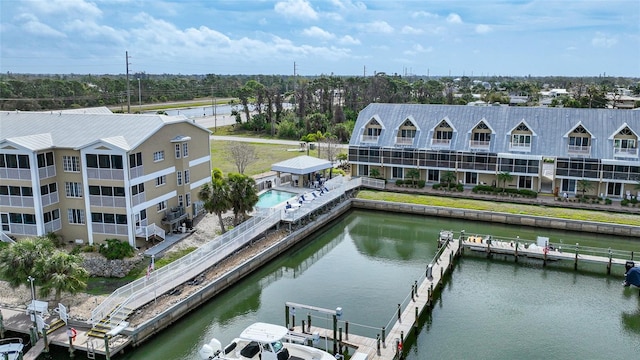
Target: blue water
(272, 198)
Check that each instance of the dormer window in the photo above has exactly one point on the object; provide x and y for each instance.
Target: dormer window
(625, 143)
(521, 138)
(442, 134)
(372, 131)
(406, 133)
(579, 141)
(480, 136)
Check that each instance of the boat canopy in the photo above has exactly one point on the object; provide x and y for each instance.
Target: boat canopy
(633, 276)
(264, 333)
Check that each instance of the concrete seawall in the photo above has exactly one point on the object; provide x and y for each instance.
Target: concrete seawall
(503, 218)
(147, 329)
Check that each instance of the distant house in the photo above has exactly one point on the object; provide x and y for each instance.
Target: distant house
(90, 175)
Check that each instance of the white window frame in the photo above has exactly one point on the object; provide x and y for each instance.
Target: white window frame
(161, 206)
(158, 156)
(76, 216)
(177, 146)
(185, 149)
(73, 189)
(187, 177)
(179, 178)
(71, 163)
(161, 180)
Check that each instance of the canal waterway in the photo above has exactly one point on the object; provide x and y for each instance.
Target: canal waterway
(489, 309)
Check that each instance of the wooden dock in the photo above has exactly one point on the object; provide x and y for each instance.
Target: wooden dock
(422, 299)
(407, 319)
(19, 321)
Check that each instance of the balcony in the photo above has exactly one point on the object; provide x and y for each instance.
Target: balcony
(50, 198)
(107, 201)
(105, 174)
(52, 226)
(16, 201)
(441, 143)
(520, 147)
(15, 174)
(401, 140)
(46, 172)
(625, 152)
(23, 229)
(175, 215)
(136, 172)
(138, 199)
(110, 229)
(369, 138)
(579, 150)
(475, 144)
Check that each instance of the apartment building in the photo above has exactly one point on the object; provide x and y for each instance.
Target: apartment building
(544, 149)
(90, 175)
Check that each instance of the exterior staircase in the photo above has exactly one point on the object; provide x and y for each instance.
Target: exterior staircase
(55, 325)
(103, 326)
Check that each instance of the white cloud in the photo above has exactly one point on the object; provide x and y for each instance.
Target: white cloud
(417, 49)
(411, 30)
(296, 9)
(423, 14)
(348, 4)
(317, 32)
(603, 41)
(32, 25)
(377, 27)
(483, 29)
(454, 18)
(69, 8)
(91, 30)
(348, 40)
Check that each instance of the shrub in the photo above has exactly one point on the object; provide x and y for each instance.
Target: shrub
(115, 249)
(528, 193)
(459, 187)
(399, 182)
(607, 201)
(421, 183)
(624, 202)
(436, 186)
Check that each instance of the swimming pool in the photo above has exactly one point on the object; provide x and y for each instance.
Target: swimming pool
(272, 198)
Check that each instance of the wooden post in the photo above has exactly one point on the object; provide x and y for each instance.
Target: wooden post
(308, 323)
(384, 337)
(413, 293)
(1, 326)
(378, 343)
(33, 337)
(107, 354)
(516, 251)
(399, 320)
(609, 264)
(70, 336)
(46, 341)
(575, 263)
(286, 316)
(416, 323)
(303, 325)
(416, 285)
(335, 333)
(346, 330)
(340, 340)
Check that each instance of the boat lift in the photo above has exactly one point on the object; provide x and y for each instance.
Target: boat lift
(290, 310)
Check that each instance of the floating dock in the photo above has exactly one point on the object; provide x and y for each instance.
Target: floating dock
(388, 346)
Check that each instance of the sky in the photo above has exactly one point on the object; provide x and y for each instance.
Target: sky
(328, 37)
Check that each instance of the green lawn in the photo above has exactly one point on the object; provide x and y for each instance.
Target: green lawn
(510, 208)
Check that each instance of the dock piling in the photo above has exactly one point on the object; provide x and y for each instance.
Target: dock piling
(415, 284)
(575, 264)
(106, 347)
(1, 326)
(384, 336)
(399, 313)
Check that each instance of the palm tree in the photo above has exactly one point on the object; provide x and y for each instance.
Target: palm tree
(215, 196)
(242, 195)
(413, 174)
(449, 177)
(61, 272)
(584, 186)
(504, 177)
(18, 261)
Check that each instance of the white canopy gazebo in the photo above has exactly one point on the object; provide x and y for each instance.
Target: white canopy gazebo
(301, 165)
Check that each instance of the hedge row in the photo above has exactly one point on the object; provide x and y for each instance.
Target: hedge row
(496, 190)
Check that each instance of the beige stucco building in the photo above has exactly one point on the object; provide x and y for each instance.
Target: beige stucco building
(92, 175)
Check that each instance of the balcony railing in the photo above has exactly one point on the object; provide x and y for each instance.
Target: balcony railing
(519, 146)
(16, 201)
(23, 229)
(475, 144)
(111, 229)
(50, 198)
(107, 201)
(52, 226)
(136, 172)
(625, 152)
(580, 150)
(105, 174)
(138, 198)
(47, 172)
(15, 174)
(401, 140)
(370, 138)
(441, 142)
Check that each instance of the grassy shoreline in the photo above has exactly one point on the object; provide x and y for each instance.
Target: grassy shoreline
(509, 208)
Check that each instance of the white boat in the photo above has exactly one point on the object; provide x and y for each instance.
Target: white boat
(11, 348)
(265, 342)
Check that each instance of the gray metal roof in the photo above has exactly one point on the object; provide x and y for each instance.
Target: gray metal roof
(41, 130)
(301, 165)
(549, 125)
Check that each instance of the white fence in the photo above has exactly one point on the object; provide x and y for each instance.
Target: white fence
(372, 183)
(144, 290)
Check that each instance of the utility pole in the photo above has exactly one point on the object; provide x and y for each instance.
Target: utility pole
(128, 90)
